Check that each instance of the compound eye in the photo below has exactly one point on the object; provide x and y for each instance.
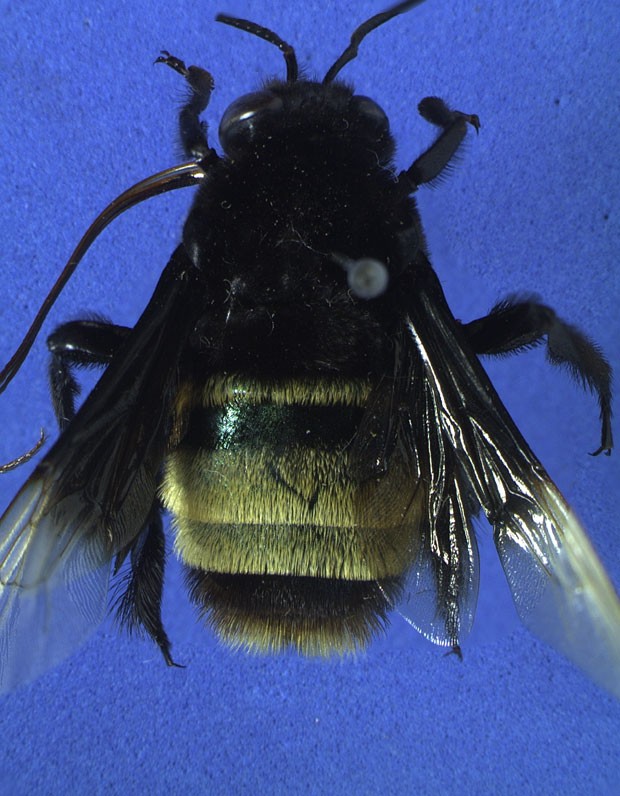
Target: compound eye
(371, 113)
(244, 118)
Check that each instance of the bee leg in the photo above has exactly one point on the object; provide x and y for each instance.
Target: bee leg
(139, 606)
(24, 457)
(514, 325)
(193, 131)
(431, 163)
(73, 345)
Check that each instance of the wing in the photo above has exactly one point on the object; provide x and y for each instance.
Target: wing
(559, 586)
(441, 592)
(91, 494)
(402, 432)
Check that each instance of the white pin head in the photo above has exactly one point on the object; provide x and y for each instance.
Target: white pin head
(367, 277)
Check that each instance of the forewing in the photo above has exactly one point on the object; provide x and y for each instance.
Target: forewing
(91, 494)
(559, 586)
(54, 573)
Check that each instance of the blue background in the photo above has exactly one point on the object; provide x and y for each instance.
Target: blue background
(533, 206)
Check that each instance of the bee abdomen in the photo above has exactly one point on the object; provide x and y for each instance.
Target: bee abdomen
(285, 544)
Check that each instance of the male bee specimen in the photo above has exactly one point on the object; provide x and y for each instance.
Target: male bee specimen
(299, 397)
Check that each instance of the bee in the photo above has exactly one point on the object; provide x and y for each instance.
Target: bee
(300, 399)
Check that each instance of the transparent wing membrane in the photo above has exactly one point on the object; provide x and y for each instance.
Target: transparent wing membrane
(53, 584)
(92, 493)
(560, 588)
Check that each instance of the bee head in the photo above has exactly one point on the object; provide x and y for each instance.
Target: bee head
(314, 111)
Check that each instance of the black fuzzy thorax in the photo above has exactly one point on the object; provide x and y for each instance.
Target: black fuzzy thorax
(263, 230)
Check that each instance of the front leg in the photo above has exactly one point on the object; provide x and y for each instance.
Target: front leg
(193, 131)
(433, 162)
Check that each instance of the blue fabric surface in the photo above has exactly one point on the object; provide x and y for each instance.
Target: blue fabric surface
(532, 206)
